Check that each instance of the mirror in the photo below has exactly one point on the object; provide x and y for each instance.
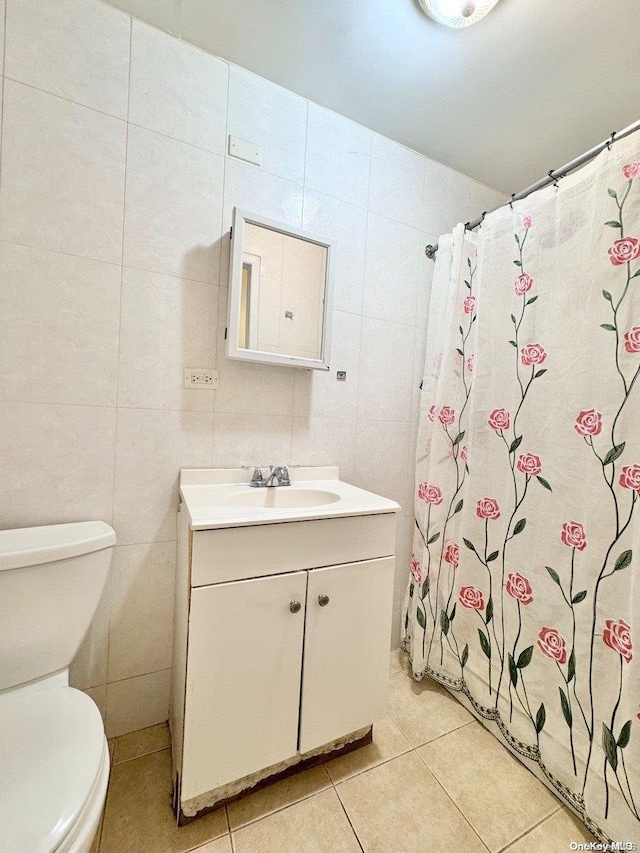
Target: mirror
(279, 294)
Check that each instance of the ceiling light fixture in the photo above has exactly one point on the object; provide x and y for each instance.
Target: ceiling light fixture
(457, 13)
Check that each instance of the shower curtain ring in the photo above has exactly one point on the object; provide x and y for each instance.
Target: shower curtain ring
(553, 178)
(611, 139)
(513, 198)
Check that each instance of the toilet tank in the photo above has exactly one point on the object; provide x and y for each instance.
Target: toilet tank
(51, 580)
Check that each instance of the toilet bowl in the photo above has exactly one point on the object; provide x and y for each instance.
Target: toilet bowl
(54, 759)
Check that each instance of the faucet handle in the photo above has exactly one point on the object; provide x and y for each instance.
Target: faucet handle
(285, 480)
(256, 476)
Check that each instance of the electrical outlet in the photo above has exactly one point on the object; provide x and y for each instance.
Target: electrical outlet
(200, 377)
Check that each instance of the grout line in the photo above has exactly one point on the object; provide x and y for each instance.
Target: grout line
(346, 814)
(2, 87)
(366, 245)
(458, 809)
(64, 98)
(524, 834)
(131, 678)
(278, 809)
(378, 764)
(115, 432)
(440, 737)
(103, 261)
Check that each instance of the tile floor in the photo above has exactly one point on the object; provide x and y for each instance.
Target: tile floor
(422, 785)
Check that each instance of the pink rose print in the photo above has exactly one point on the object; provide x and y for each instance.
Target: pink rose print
(430, 494)
(417, 571)
(533, 354)
(523, 283)
(469, 304)
(617, 635)
(488, 508)
(573, 535)
(588, 422)
(630, 477)
(519, 587)
(452, 554)
(447, 415)
(432, 413)
(526, 221)
(632, 340)
(471, 363)
(471, 597)
(552, 645)
(624, 250)
(529, 464)
(464, 451)
(499, 419)
(631, 171)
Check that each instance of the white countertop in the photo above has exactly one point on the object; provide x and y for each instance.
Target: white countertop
(205, 494)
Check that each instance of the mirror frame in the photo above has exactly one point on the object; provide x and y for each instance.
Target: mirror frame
(240, 219)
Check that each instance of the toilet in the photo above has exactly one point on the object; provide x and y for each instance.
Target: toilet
(54, 759)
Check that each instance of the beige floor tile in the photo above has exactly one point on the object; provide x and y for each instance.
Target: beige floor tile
(278, 796)
(95, 846)
(138, 818)
(388, 741)
(316, 825)
(220, 845)
(111, 744)
(484, 779)
(399, 662)
(399, 807)
(554, 835)
(423, 710)
(142, 742)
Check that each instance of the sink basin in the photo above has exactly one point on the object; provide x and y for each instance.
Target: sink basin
(221, 497)
(282, 497)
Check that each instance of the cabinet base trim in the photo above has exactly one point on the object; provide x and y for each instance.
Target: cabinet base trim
(211, 800)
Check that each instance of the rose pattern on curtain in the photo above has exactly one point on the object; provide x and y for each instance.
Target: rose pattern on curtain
(524, 592)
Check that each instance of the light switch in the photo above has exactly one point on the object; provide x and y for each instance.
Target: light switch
(244, 150)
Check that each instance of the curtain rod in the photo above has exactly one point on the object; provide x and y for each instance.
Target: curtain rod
(552, 177)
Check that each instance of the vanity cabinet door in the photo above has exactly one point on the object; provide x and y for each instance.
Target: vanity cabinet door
(346, 653)
(243, 679)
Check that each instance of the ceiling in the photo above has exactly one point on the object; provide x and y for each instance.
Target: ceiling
(525, 90)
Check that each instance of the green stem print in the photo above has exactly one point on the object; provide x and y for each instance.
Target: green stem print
(537, 538)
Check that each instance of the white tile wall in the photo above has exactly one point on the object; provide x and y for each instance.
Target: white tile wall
(166, 324)
(59, 315)
(112, 143)
(71, 48)
(273, 118)
(395, 174)
(393, 254)
(338, 160)
(177, 90)
(142, 588)
(62, 175)
(173, 207)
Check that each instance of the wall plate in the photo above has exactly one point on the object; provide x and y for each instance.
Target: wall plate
(201, 378)
(244, 150)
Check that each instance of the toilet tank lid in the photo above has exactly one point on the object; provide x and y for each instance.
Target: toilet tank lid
(32, 546)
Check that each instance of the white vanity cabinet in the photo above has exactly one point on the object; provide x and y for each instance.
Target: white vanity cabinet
(281, 649)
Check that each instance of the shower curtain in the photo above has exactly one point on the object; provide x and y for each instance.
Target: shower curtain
(524, 595)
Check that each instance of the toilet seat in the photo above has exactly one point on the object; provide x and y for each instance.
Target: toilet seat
(53, 769)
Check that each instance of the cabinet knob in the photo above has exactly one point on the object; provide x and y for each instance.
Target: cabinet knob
(295, 606)
(323, 600)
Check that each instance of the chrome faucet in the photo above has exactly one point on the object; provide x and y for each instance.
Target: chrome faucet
(278, 476)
